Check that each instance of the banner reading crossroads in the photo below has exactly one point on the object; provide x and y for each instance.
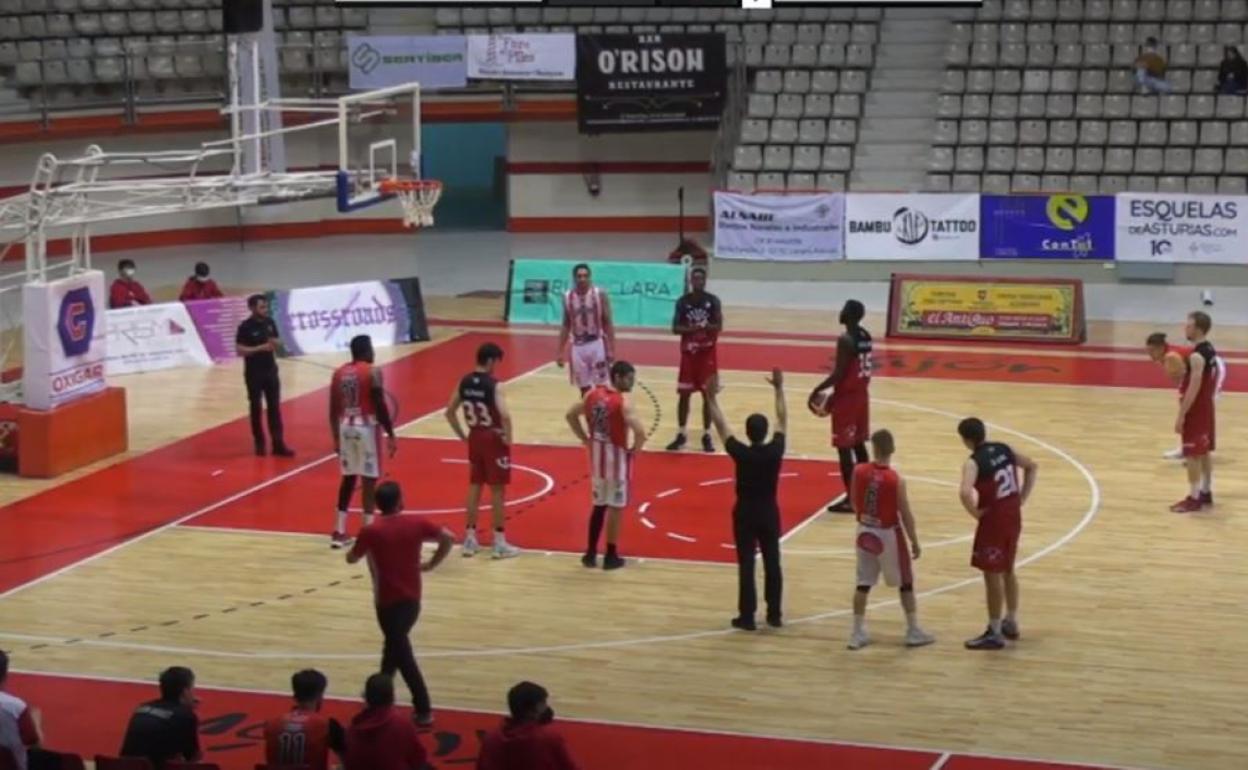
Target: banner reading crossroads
(1033, 310)
(641, 293)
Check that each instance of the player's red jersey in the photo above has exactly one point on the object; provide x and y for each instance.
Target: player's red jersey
(477, 391)
(997, 480)
(874, 490)
(604, 409)
(352, 391)
(297, 739)
(1208, 379)
(698, 311)
(857, 376)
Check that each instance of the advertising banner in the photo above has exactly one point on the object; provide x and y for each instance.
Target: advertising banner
(1016, 309)
(1046, 227)
(649, 82)
(641, 293)
(918, 226)
(323, 319)
(381, 61)
(146, 338)
(1181, 228)
(783, 228)
(65, 344)
(217, 322)
(522, 57)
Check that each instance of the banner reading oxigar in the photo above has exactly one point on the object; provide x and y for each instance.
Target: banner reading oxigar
(323, 319)
(803, 227)
(917, 226)
(1062, 226)
(641, 293)
(650, 82)
(1182, 228)
(64, 344)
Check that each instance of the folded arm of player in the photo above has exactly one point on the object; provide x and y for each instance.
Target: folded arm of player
(966, 492)
(638, 427)
(844, 354)
(574, 422)
(504, 414)
(452, 414)
(445, 541)
(1197, 367)
(383, 411)
(1030, 469)
(907, 517)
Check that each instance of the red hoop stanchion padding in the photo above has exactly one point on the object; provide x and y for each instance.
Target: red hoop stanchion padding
(417, 196)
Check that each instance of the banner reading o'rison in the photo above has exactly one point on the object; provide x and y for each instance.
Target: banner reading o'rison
(782, 228)
(1182, 228)
(919, 226)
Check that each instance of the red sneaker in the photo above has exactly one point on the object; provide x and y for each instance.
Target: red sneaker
(1206, 499)
(1186, 505)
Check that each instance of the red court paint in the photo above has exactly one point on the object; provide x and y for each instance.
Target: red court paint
(88, 717)
(687, 499)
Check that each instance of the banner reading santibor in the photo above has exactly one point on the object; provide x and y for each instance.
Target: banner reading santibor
(641, 293)
(64, 344)
(146, 338)
(323, 319)
(781, 228)
(1182, 228)
(1047, 226)
(522, 57)
(650, 81)
(434, 61)
(919, 226)
(1038, 310)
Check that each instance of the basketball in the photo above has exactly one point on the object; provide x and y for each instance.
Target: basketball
(1174, 366)
(819, 404)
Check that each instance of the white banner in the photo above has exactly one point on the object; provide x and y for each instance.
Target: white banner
(522, 57)
(323, 319)
(782, 228)
(146, 338)
(919, 226)
(1181, 228)
(64, 342)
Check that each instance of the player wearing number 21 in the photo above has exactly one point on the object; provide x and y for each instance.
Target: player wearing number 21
(991, 493)
(481, 403)
(850, 401)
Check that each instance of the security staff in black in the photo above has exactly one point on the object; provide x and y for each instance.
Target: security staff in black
(257, 342)
(756, 515)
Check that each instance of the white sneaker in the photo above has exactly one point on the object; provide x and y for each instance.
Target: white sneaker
(858, 640)
(917, 637)
(1174, 454)
(504, 550)
(470, 546)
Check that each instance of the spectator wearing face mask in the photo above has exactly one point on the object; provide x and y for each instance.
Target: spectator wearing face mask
(199, 286)
(125, 291)
(525, 740)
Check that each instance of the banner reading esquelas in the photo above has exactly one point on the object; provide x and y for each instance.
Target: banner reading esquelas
(918, 226)
(781, 228)
(1182, 228)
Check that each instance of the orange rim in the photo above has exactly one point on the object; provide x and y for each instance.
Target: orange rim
(407, 185)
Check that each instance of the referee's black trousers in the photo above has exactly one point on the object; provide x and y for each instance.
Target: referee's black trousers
(396, 621)
(265, 385)
(755, 528)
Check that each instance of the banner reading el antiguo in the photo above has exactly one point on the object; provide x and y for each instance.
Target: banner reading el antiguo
(958, 307)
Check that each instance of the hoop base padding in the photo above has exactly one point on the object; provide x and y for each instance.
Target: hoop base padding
(83, 431)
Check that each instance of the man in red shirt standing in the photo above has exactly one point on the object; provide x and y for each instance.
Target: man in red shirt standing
(380, 738)
(885, 522)
(1195, 422)
(125, 291)
(525, 741)
(850, 401)
(392, 545)
(302, 737)
(199, 285)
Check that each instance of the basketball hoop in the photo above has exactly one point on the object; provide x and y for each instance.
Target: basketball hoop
(417, 196)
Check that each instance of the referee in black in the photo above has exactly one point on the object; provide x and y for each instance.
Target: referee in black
(756, 515)
(257, 342)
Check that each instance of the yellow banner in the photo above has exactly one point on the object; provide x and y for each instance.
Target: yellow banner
(999, 308)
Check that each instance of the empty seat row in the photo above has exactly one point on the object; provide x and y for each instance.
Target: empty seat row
(1170, 33)
(804, 55)
(1170, 106)
(1090, 160)
(810, 81)
(787, 131)
(824, 181)
(1103, 55)
(15, 8)
(787, 34)
(1088, 81)
(783, 157)
(1106, 184)
(1118, 10)
(1094, 133)
(86, 48)
(808, 106)
(113, 69)
(168, 21)
(502, 16)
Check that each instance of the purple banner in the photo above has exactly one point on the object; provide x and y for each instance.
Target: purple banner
(217, 322)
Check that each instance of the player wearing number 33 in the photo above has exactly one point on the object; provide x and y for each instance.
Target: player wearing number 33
(485, 412)
(850, 401)
(991, 493)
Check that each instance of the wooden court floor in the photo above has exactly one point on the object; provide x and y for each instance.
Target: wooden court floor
(1133, 617)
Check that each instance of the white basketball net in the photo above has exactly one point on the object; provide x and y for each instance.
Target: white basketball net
(418, 201)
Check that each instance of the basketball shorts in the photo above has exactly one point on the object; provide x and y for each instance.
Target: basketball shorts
(588, 366)
(489, 458)
(996, 540)
(1199, 431)
(851, 418)
(610, 473)
(697, 370)
(883, 551)
(359, 451)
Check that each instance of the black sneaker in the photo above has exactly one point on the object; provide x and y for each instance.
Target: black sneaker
(677, 443)
(986, 641)
(774, 621)
(590, 560)
(744, 624)
(282, 450)
(1009, 629)
(260, 450)
(613, 562)
(423, 720)
(707, 445)
(841, 506)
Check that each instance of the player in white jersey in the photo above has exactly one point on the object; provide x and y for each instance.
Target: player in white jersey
(587, 322)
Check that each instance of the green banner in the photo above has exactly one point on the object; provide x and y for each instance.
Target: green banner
(642, 293)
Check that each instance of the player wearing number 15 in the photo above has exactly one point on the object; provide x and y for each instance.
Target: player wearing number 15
(850, 402)
(480, 402)
(990, 492)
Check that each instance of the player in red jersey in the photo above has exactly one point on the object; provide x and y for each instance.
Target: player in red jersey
(850, 402)
(1195, 421)
(885, 521)
(489, 445)
(698, 320)
(1173, 358)
(357, 407)
(990, 492)
(587, 321)
(610, 418)
(302, 737)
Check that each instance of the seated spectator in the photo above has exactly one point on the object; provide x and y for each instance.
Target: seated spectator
(125, 291)
(525, 741)
(1150, 69)
(199, 286)
(302, 737)
(381, 737)
(20, 729)
(1233, 72)
(166, 728)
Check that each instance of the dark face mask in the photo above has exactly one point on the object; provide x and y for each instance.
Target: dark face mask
(546, 717)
